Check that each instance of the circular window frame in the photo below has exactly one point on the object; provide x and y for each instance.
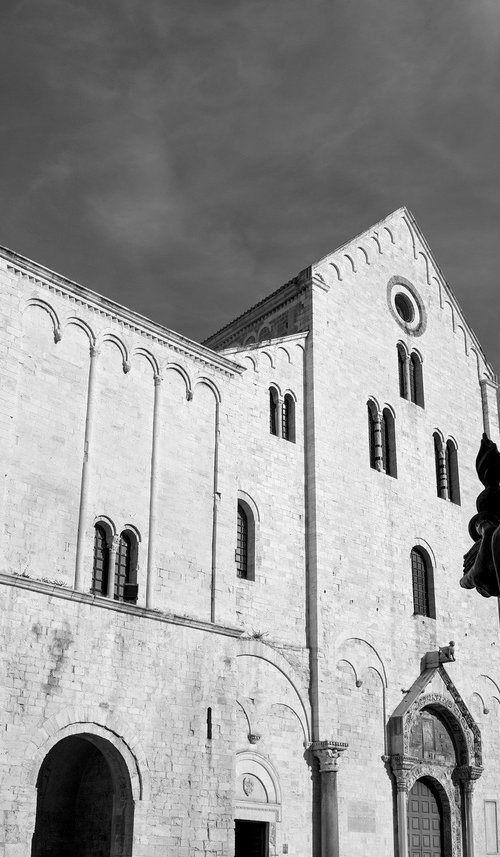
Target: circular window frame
(401, 286)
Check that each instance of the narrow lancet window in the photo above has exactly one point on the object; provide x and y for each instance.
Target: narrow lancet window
(100, 572)
(423, 589)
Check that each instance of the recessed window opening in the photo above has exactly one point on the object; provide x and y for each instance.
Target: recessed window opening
(388, 441)
(423, 584)
(440, 467)
(100, 574)
(404, 308)
(273, 411)
(288, 418)
(122, 564)
(242, 543)
(452, 472)
(245, 541)
(416, 379)
(372, 429)
(402, 375)
(209, 724)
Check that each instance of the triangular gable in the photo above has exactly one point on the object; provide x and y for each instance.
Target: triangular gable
(363, 250)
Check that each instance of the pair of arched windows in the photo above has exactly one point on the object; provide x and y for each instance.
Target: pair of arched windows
(115, 564)
(281, 415)
(382, 439)
(411, 381)
(446, 460)
(423, 583)
(245, 541)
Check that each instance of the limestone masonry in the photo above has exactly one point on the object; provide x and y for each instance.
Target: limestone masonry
(230, 571)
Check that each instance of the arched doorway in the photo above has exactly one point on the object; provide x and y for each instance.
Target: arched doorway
(257, 805)
(425, 821)
(84, 801)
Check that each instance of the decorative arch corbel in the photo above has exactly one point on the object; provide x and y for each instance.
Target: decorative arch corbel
(176, 367)
(50, 311)
(207, 382)
(151, 359)
(78, 322)
(122, 348)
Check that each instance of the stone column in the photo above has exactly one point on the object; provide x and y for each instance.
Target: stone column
(377, 443)
(400, 768)
(84, 487)
(468, 774)
(113, 550)
(443, 473)
(328, 754)
(402, 809)
(153, 494)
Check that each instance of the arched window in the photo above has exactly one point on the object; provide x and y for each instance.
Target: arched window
(416, 379)
(288, 418)
(100, 574)
(245, 541)
(423, 584)
(242, 543)
(372, 430)
(402, 371)
(388, 442)
(273, 411)
(126, 568)
(452, 472)
(440, 467)
(264, 334)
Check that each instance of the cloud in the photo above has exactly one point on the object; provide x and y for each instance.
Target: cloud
(231, 144)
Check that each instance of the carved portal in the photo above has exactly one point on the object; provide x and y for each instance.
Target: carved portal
(435, 738)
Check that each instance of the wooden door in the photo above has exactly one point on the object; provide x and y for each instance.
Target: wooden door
(425, 828)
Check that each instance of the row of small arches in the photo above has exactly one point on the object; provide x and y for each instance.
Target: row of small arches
(127, 354)
(382, 450)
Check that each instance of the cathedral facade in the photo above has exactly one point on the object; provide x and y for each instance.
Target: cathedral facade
(232, 621)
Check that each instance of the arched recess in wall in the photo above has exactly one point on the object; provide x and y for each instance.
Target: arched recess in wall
(85, 801)
(50, 311)
(121, 444)
(73, 321)
(284, 353)
(258, 792)
(284, 685)
(185, 490)
(362, 684)
(92, 721)
(51, 391)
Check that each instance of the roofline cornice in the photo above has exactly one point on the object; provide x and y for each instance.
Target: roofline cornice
(279, 298)
(136, 322)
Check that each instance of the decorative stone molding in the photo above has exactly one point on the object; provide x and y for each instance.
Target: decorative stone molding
(453, 780)
(328, 754)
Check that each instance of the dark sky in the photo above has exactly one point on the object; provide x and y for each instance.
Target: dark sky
(186, 158)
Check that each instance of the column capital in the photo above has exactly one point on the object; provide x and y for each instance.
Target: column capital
(468, 774)
(328, 754)
(401, 767)
(94, 351)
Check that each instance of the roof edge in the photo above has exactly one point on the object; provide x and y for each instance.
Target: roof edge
(47, 276)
